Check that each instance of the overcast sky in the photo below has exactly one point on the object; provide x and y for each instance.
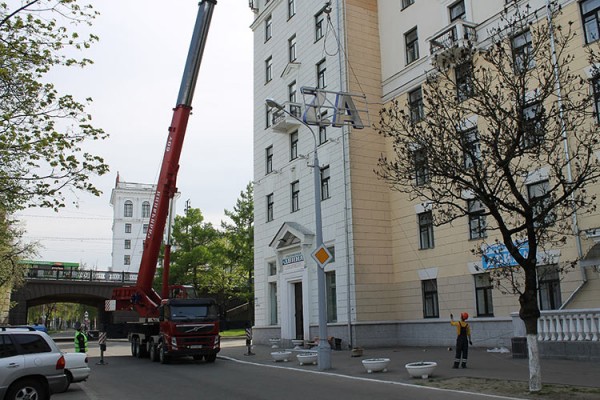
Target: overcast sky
(134, 83)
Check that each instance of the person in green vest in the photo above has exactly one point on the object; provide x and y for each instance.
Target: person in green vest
(81, 340)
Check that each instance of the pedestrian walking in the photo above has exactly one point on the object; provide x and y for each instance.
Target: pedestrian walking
(463, 340)
(81, 340)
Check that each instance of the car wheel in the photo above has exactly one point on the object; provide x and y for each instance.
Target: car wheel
(69, 381)
(27, 389)
(162, 355)
(211, 358)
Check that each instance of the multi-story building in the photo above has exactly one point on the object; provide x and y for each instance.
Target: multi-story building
(132, 204)
(391, 283)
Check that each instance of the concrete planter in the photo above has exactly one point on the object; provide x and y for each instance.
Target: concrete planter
(307, 358)
(376, 364)
(281, 355)
(421, 369)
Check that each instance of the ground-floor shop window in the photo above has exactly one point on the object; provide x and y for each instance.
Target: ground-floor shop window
(549, 287)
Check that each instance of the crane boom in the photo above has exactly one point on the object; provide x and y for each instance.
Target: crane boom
(146, 299)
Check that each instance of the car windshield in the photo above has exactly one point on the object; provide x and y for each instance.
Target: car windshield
(194, 312)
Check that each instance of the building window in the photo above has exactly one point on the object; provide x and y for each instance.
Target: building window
(483, 295)
(295, 188)
(411, 41)
(269, 159)
(415, 105)
(292, 49)
(425, 230)
(331, 296)
(268, 28)
(590, 14)
(268, 117)
(457, 11)
(533, 125)
(421, 167)
(522, 49)
(477, 225)
(471, 147)
(325, 183)
(464, 81)
(270, 205)
(295, 109)
(596, 89)
(127, 228)
(320, 25)
(406, 3)
(268, 69)
(273, 303)
(549, 284)
(321, 69)
(127, 259)
(146, 209)
(127, 244)
(323, 128)
(331, 250)
(145, 229)
(128, 209)
(430, 298)
(272, 268)
(294, 145)
(539, 199)
(291, 8)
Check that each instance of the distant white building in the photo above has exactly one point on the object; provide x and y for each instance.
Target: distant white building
(131, 204)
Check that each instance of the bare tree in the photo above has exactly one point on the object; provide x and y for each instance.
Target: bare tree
(507, 130)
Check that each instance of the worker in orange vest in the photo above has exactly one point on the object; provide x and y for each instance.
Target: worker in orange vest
(463, 340)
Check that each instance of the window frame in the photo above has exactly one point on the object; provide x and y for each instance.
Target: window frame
(320, 25)
(127, 228)
(321, 74)
(128, 209)
(595, 82)
(268, 69)
(453, 7)
(411, 45)
(476, 214)
(416, 106)
(294, 145)
(126, 259)
(146, 209)
(549, 291)
(325, 179)
(471, 147)
(429, 292)
(292, 47)
(407, 3)
(268, 28)
(522, 47)
(425, 223)
(269, 160)
(127, 244)
(533, 132)
(331, 290)
(538, 195)
(268, 117)
(291, 9)
(270, 207)
(484, 299)
(463, 75)
(588, 18)
(295, 196)
(420, 166)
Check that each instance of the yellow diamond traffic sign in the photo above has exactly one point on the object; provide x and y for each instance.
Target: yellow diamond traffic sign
(322, 256)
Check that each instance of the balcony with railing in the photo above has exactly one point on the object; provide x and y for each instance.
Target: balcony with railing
(448, 45)
(284, 122)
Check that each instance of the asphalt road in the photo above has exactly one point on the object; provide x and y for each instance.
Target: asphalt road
(125, 377)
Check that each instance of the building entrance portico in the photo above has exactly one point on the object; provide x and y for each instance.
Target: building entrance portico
(292, 245)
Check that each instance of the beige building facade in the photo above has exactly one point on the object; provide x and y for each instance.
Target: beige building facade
(394, 281)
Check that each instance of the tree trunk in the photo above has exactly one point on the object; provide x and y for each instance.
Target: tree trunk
(530, 314)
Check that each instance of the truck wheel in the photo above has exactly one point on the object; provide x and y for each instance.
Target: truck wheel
(162, 355)
(139, 350)
(211, 358)
(153, 352)
(134, 346)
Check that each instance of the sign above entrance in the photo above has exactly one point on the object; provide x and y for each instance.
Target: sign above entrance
(322, 256)
(292, 260)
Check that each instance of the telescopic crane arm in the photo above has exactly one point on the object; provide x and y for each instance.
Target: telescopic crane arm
(147, 300)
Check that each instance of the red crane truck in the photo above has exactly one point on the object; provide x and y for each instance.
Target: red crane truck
(174, 323)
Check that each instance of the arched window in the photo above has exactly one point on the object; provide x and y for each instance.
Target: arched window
(146, 209)
(128, 211)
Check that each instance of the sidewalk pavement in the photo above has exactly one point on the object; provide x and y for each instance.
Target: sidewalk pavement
(481, 364)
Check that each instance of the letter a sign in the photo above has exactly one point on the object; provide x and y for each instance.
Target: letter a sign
(322, 256)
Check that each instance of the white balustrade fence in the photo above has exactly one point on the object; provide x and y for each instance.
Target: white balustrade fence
(569, 325)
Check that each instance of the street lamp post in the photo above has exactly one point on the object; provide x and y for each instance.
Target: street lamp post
(324, 349)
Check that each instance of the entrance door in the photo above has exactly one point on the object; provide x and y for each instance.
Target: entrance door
(299, 317)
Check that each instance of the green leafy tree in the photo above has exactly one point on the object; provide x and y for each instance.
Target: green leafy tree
(524, 129)
(42, 132)
(240, 242)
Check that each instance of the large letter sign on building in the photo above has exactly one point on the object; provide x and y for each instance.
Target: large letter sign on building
(319, 104)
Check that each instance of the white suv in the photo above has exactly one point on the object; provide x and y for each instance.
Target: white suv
(31, 365)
